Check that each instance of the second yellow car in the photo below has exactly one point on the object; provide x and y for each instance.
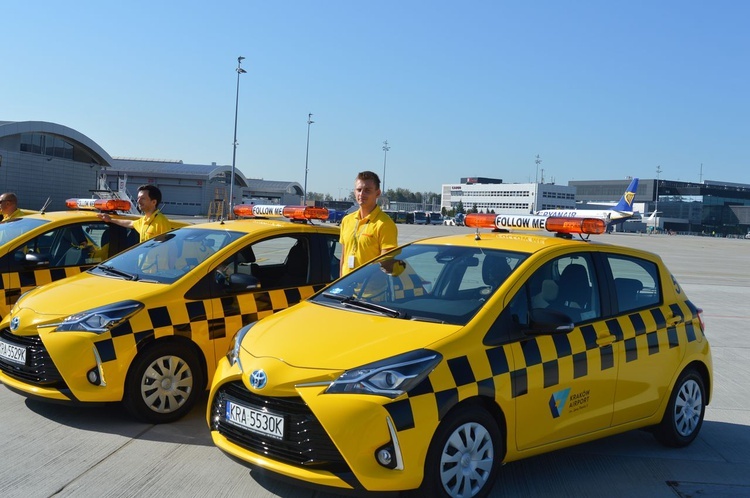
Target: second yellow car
(148, 326)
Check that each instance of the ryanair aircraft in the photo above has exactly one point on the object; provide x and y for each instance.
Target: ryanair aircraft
(621, 211)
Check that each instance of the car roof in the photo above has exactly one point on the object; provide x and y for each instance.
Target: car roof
(254, 225)
(524, 242)
(69, 215)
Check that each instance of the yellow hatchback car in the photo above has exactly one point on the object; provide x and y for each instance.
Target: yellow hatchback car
(148, 326)
(44, 247)
(435, 363)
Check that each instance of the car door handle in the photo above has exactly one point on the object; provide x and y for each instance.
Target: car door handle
(605, 341)
(671, 322)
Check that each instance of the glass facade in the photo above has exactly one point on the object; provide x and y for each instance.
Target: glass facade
(47, 145)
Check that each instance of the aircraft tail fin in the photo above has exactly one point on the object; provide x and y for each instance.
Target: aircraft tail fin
(626, 201)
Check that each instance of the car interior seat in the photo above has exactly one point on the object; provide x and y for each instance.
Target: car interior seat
(495, 269)
(246, 262)
(546, 295)
(627, 292)
(73, 248)
(296, 266)
(574, 291)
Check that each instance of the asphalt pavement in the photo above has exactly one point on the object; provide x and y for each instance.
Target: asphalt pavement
(56, 450)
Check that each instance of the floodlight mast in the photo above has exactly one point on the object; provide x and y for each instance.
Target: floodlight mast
(240, 71)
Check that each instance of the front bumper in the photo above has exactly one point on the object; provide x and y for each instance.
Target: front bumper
(330, 439)
(59, 367)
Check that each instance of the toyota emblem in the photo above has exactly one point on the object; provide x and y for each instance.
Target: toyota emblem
(258, 379)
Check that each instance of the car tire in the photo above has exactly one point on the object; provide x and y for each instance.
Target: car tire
(683, 417)
(464, 455)
(163, 383)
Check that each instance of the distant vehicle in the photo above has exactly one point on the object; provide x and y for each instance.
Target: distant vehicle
(621, 211)
(397, 216)
(449, 221)
(459, 219)
(335, 216)
(435, 218)
(420, 218)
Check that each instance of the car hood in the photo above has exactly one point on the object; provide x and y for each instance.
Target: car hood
(79, 293)
(311, 335)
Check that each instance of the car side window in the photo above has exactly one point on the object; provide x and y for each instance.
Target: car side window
(333, 248)
(282, 262)
(71, 245)
(567, 284)
(636, 282)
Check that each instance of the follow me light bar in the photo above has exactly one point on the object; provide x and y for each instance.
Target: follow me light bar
(99, 204)
(556, 224)
(273, 211)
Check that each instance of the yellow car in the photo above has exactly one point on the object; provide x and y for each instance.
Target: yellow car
(435, 363)
(148, 326)
(42, 247)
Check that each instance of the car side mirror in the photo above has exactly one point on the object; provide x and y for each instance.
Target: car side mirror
(32, 258)
(547, 322)
(242, 281)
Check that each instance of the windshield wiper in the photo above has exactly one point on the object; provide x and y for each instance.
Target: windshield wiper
(353, 302)
(114, 271)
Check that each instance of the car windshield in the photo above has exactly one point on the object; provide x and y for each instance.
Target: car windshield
(167, 257)
(436, 283)
(11, 229)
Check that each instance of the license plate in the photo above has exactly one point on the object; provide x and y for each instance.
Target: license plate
(12, 353)
(254, 420)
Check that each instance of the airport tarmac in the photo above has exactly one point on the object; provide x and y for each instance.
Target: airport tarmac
(54, 450)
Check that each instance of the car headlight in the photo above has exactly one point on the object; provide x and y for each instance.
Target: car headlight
(391, 377)
(233, 355)
(99, 320)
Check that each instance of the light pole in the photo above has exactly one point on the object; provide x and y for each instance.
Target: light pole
(234, 143)
(307, 152)
(538, 162)
(386, 148)
(656, 204)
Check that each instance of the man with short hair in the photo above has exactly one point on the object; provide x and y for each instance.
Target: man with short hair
(368, 232)
(9, 206)
(153, 222)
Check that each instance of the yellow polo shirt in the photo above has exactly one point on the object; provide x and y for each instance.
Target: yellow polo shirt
(366, 238)
(151, 226)
(15, 214)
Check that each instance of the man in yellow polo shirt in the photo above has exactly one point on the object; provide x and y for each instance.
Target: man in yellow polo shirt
(9, 207)
(153, 222)
(368, 232)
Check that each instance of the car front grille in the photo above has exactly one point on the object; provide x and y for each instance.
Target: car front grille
(39, 368)
(305, 444)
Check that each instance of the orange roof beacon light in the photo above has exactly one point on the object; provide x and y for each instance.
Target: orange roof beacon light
(556, 224)
(294, 213)
(594, 226)
(305, 213)
(109, 205)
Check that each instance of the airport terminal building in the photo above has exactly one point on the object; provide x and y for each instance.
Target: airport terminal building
(684, 207)
(491, 194)
(41, 160)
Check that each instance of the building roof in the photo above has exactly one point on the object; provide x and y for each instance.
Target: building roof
(10, 128)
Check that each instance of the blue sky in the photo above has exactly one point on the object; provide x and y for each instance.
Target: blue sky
(597, 89)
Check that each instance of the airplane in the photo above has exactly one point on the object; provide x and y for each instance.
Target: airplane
(619, 212)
